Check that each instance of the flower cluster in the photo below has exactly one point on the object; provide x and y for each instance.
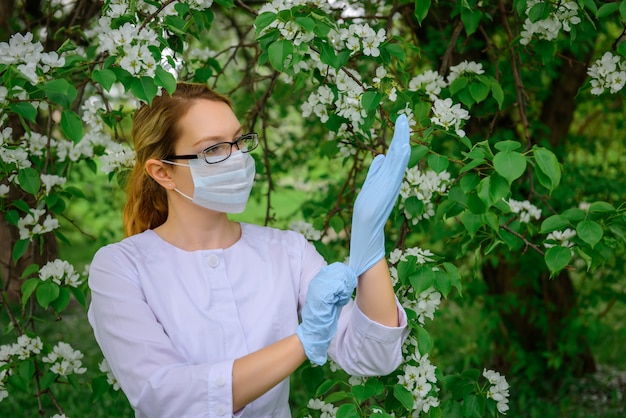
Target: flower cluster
(421, 256)
(29, 225)
(563, 16)
(499, 390)
(117, 156)
(525, 210)
(424, 305)
(420, 380)
(65, 360)
(10, 154)
(306, 229)
(561, 238)
(60, 272)
(607, 73)
(111, 379)
(464, 68)
(29, 57)
(449, 115)
(430, 82)
(328, 409)
(424, 186)
(49, 181)
(24, 348)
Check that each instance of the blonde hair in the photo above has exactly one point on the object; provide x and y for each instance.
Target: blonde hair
(155, 132)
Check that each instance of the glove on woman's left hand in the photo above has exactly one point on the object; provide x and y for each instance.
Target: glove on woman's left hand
(376, 200)
(328, 292)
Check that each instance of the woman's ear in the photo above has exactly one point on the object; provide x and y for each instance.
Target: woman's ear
(160, 172)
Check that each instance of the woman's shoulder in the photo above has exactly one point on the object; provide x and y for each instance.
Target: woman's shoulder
(134, 246)
(273, 236)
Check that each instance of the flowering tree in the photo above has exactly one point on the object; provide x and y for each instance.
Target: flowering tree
(501, 201)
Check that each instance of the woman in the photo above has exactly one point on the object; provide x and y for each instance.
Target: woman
(197, 315)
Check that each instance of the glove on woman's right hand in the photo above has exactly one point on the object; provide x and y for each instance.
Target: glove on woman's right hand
(328, 292)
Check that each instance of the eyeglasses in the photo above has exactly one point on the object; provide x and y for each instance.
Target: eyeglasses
(220, 152)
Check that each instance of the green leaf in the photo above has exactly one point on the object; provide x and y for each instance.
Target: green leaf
(347, 411)
(422, 279)
(46, 293)
(336, 222)
(438, 162)
(406, 268)
(574, 214)
(72, 126)
(278, 53)
(370, 100)
(28, 287)
(553, 223)
(29, 180)
(48, 379)
(403, 395)
(622, 10)
(469, 182)
(99, 386)
(601, 207)
(417, 153)
(31, 269)
(79, 295)
(61, 302)
(549, 165)
(507, 145)
(421, 10)
(471, 20)
(497, 93)
(144, 88)
(60, 91)
(362, 392)
(25, 110)
(325, 387)
(471, 222)
(590, 232)
(539, 11)
(557, 258)
(396, 51)
(473, 406)
(510, 165)
(165, 79)
(443, 283)
(479, 91)
(19, 249)
(455, 276)
(607, 9)
(306, 23)
(424, 341)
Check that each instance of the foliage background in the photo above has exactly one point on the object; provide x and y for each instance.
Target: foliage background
(552, 323)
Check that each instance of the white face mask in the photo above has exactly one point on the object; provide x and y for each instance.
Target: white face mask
(223, 187)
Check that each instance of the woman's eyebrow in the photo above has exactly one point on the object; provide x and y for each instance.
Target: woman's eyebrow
(219, 138)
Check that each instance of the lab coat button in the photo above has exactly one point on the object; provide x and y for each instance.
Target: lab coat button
(220, 410)
(213, 260)
(220, 381)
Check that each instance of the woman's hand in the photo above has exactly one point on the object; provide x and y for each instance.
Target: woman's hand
(376, 200)
(328, 292)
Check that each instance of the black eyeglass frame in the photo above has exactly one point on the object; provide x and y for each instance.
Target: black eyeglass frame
(202, 155)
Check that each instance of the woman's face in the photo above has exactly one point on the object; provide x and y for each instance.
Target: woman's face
(206, 123)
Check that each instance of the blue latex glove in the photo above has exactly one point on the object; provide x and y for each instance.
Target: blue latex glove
(376, 200)
(328, 292)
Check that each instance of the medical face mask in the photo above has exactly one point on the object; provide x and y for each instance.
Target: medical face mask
(223, 187)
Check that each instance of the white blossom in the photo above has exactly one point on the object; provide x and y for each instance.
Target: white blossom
(65, 360)
(111, 379)
(499, 390)
(607, 73)
(117, 156)
(465, 67)
(561, 237)
(430, 82)
(306, 229)
(525, 210)
(50, 180)
(60, 272)
(449, 115)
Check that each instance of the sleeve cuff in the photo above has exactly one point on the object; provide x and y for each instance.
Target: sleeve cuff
(375, 330)
(220, 390)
